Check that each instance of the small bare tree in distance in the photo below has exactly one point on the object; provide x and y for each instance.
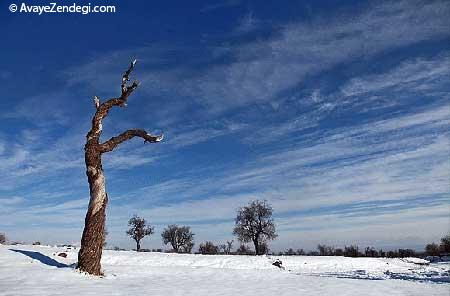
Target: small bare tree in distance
(2, 238)
(229, 246)
(226, 248)
(93, 237)
(254, 223)
(138, 230)
(179, 237)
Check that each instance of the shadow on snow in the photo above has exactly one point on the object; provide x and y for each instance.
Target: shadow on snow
(439, 278)
(42, 258)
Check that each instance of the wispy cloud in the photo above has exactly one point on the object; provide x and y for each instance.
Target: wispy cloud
(220, 4)
(418, 73)
(247, 24)
(262, 70)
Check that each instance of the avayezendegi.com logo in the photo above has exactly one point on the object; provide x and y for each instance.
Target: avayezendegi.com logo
(54, 7)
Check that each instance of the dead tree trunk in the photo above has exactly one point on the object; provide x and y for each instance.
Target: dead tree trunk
(90, 254)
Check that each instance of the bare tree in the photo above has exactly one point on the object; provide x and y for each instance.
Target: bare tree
(179, 237)
(351, 251)
(325, 250)
(138, 230)
(432, 249)
(208, 248)
(254, 223)
(321, 249)
(94, 230)
(229, 246)
(445, 244)
(370, 252)
(226, 248)
(300, 252)
(2, 238)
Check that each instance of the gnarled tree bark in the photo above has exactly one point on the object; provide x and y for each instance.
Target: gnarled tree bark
(90, 254)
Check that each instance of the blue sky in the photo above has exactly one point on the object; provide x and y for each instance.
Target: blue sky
(337, 113)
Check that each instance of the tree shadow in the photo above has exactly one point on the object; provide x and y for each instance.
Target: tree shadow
(41, 258)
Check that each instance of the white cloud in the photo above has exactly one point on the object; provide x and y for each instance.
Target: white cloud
(263, 69)
(247, 24)
(126, 161)
(417, 72)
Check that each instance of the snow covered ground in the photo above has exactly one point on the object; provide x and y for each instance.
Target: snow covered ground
(37, 270)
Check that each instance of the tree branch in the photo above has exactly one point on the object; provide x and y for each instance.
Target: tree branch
(96, 102)
(127, 135)
(103, 108)
(125, 78)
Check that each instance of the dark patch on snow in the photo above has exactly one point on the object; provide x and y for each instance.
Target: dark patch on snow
(434, 277)
(41, 258)
(415, 276)
(278, 263)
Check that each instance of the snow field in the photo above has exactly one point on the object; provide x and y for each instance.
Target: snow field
(37, 270)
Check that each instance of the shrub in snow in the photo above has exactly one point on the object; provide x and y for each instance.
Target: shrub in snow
(403, 253)
(244, 250)
(338, 252)
(325, 250)
(370, 252)
(208, 248)
(432, 249)
(290, 252)
(391, 254)
(2, 238)
(300, 252)
(351, 251)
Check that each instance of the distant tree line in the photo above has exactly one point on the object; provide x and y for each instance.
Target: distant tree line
(253, 223)
(432, 249)
(441, 249)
